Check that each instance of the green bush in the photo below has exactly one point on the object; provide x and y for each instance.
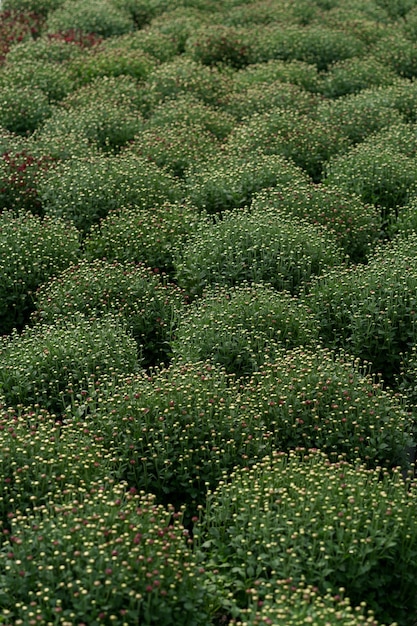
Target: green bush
(175, 147)
(186, 108)
(220, 45)
(229, 181)
(265, 12)
(310, 398)
(49, 365)
(239, 327)
(285, 252)
(107, 125)
(45, 49)
(147, 306)
(100, 17)
(396, 8)
(105, 555)
(180, 23)
(31, 251)
(284, 603)
(383, 177)
(262, 97)
(123, 91)
(41, 7)
(360, 115)
(398, 53)
(84, 190)
(23, 108)
(148, 40)
(354, 75)
(312, 44)
(101, 61)
(295, 72)
(144, 11)
(308, 142)
(327, 524)
(43, 458)
(148, 236)
(175, 432)
(49, 77)
(356, 226)
(185, 76)
(371, 310)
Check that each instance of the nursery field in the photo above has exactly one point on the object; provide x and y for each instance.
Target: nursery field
(208, 312)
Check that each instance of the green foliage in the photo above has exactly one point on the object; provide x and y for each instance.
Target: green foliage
(105, 554)
(147, 306)
(144, 11)
(295, 72)
(175, 432)
(187, 109)
(101, 61)
(122, 91)
(66, 453)
(23, 108)
(240, 327)
(328, 524)
(360, 115)
(312, 44)
(371, 310)
(180, 23)
(356, 226)
(49, 77)
(229, 181)
(45, 49)
(48, 365)
(100, 17)
(381, 176)
(41, 7)
(353, 75)
(149, 40)
(285, 252)
(175, 147)
(107, 125)
(396, 8)
(148, 236)
(398, 53)
(308, 142)
(31, 251)
(284, 603)
(85, 190)
(220, 45)
(312, 399)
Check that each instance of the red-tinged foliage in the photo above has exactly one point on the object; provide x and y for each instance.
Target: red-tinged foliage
(15, 27)
(84, 40)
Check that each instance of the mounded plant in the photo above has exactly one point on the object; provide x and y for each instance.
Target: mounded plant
(283, 251)
(330, 525)
(148, 307)
(305, 75)
(45, 49)
(241, 327)
(31, 251)
(106, 554)
(101, 17)
(48, 365)
(85, 190)
(149, 236)
(354, 75)
(220, 45)
(53, 79)
(398, 53)
(23, 108)
(355, 225)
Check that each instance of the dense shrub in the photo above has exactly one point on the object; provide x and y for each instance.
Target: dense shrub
(108, 125)
(175, 147)
(23, 108)
(295, 72)
(31, 251)
(148, 40)
(383, 177)
(144, 11)
(396, 8)
(220, 45)
(148, 307)
(180, 23)
(284, 603)
(354, 75)
(282, 251)
(311, 399)
(149, 236)
(359, 115)
(185, 76)
(239, 327)
(49, 77)
(65, 357)
(356, 226)
(101, 17)
(186, 108)
(45, 49)
(312, 44)
(17, 26)
(101, 61)
(330, 525)
(43, 458)
(39, 7)
(398, 53)
(306, 141)
(106, 554)
(123, 91)
(268, 12)
(229, 181)
(371, 310)
(84, 191)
